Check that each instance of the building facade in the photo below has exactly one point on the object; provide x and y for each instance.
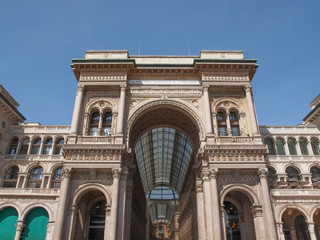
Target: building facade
(160, 147)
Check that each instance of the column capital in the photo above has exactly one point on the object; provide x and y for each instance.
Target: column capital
(19, 225)
(81, 88)
(123, 87)
(199, 187)
(213, 173)
(205, 175)
(116, 173)
(247, 88)
(74, 208)
(66, 173)
(256, 211)
(263, 173)
(205, 88)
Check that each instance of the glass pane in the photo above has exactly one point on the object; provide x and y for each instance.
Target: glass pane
(315, 146)
(280, 147)
(292, 146)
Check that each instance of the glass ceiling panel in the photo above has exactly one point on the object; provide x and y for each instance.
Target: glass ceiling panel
(163, 155)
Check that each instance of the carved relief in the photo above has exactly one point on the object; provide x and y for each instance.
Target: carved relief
(103, 77)
(165, 92)
(218, 78)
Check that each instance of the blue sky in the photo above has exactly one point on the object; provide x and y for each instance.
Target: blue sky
(39, 39)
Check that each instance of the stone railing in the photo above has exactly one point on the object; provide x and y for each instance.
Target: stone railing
(96, 139)
(234, 139)
(32, 157)
(28, 191)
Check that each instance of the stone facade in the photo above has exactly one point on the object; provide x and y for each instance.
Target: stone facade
(242, 182)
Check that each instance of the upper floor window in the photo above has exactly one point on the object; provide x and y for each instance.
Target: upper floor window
(303, 146)
(234, 123)
(315, 146)
(13, 146)
(94, 123)
(47, 149)
(58, 146)
(293, 176)
(24, 146)
(272, 177)
(56, 178)
(222, 123)
(292, 146)
(10, 179)
(36, 146)
(270, 145)
(106, 124)
(315, 171)
(35, 177)
(280, 146)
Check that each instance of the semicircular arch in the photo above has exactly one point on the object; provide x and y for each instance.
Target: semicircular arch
(247, 190)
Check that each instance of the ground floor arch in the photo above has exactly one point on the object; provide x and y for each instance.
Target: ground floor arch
(8, 220)
(35, 227)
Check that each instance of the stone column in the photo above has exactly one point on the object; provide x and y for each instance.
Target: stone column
(286, 148)
(271, 233)
(74, 210)
(19, 227)
(121, 108)
(252, 112)
(215, 123)
(147, 227)
(223, 215)
(116, 174)
(311, 231)
(200, 211)
(242, 123)
(293, 233)
(77, 109)
(256, 211)
(280, 231)
(100, 130)
(128, 209)
(207, 109)
(62, 203)
(215, 204)
(229, 132)
(207, 202)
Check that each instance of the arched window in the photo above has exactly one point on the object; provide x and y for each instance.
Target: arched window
(35, 177)
(315, 171)
(280, 146)
(270, 145)
(231, 221)
(315, 146)
(13, 146)
(301, 228)
(97, 220)
(58, 146)
(94, 123)
(272, 177)
(303, 146)
(292, 146)
(222, 124)
(106, 124)
(24, 146)
(56, 178)
(47, 149)
(234, 123)
(11, 177)
(36, 146)
(293, 176)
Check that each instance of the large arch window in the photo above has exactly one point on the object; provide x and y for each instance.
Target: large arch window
(8, 219)
(56, 178)
(24, 146)
(94, 123)
(58, 146)
(234, 123)
(222, 123)
(293, 176)
(13, 146)
(35, 177)
(36, 146)
(47, 149)
(11, 177)
(272, 177)
(303, 146)
(106, 123)
(280, 146)
(232, 222)
(270, 145)
(315, 146)
(292, 146)
(301, 228)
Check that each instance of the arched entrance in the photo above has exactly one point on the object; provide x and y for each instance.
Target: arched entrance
(165, 140)
(316, 220)
(36, 224)
(8, 219)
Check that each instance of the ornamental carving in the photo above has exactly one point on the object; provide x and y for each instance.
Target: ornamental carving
(213, 173)
(205, 175)
(219, 78)
(66, 173)
(263, 172)
(199, 188)
(116, 173)
(102, 77)
(256, 211)
(165, 92)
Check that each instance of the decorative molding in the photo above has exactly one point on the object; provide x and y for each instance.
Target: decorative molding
(116, 173)
(205, 175)
(103, 77)
(165, 92)
(263, 173)
(66, 173)
(212, 77)
(256, 211)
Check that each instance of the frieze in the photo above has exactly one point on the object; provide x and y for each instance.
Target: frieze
(224, 78)
(165, 92)
(90, 77)
(109, 94)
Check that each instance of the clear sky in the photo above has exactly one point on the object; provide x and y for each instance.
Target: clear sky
(38, 39)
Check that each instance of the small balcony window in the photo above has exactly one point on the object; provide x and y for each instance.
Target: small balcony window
(292, 146)
(58, 147)
(11, 177)
(36, 146)
(56, 178)
(13, 146)
(222, 124)
(94, 124)
(234, 123)
(24, 146)
(35, 177)
(47, 149)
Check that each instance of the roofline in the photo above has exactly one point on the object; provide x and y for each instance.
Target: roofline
(312, 112)
(12, 107)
